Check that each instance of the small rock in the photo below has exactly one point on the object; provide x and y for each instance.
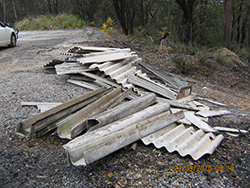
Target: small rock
(110, 175)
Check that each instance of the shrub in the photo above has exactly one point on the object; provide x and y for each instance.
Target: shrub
(107, 26)
(49, 16)
(184, 49)
(185, 65)
(63, 21)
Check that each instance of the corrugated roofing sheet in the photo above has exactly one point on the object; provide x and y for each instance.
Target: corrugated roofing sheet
(184, 140)
(88, 49)
(113, 56)
(119, 71)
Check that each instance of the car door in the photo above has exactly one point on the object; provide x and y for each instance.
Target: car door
(4, 35)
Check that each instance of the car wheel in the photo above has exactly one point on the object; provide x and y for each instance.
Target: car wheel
(12, 40)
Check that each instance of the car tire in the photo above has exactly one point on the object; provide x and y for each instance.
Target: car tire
(12, 40)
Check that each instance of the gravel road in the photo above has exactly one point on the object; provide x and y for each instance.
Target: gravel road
(41, 162)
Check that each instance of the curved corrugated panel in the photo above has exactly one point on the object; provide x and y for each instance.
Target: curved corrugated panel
(104, 57)
(184, 140)
(118, 71)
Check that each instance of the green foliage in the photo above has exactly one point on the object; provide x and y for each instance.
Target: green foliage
(105, 11)
(153, 16)
(49, 16)
(208, 24)
(243, 53)
(147, 42)
(205, 63)
(184, 49)
(185, 65)
(141, 36)
(171, 16)
(49, 22)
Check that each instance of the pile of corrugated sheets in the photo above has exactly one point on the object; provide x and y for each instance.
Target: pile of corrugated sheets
(125, 105)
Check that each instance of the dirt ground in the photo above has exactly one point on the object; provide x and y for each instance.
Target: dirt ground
(41, 162)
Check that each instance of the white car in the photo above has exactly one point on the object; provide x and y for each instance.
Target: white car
(8, 36)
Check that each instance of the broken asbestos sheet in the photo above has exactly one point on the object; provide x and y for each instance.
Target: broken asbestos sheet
(121, 111)
(125, 105)
(187, 140)
(101, 142)
(46, 120)
(42, 106)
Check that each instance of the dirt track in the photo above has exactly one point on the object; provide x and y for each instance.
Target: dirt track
(41, 162)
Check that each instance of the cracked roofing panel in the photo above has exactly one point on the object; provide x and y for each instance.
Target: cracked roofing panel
(101, 142)
(119, 71)
(186, 140)
(114, 56)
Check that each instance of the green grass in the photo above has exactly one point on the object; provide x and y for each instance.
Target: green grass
(49, 22)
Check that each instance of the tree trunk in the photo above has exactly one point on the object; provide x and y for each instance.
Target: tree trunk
(3, 10)
(248, 23)
(227, 17)
(187, 8)
(82, 9)
(14, 9)
(143, 10)
(56, 6)
(50, 10)
(243, 32)
(238, 24)
(125, 13)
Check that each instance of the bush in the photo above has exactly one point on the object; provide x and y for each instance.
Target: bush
(107, 26)
(207, 66)
(184, 49)
(48, 22)
(185, 65)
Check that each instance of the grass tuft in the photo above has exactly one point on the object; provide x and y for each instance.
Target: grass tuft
(185, 65)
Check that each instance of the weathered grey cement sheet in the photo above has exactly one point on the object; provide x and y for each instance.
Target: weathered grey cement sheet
(88, 85)
(186, 140)
(74, 124)
(36, 123)
(163, 91)
(166, 77)
(120, 124)
(42, 106)
(190, 116)
(210, 113)
(70, 68)
(120, 111)
(106, 57)
(119, 71)
(89, 148)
